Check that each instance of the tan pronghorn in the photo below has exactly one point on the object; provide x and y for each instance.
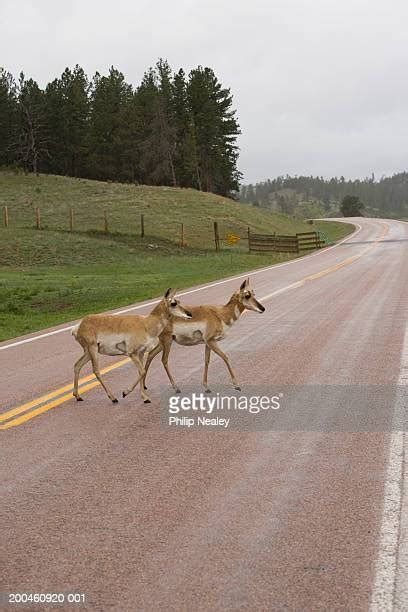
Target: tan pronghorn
(208, 325)
(132, 335)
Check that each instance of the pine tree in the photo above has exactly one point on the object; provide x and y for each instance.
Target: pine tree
(216, 132)
(32, 144)
(351, 206)
(53, 104)
(109, 97)
(74, 86)
(186, 154)
(8, 117)
(166, 116)
(129, 134)
(158, 144)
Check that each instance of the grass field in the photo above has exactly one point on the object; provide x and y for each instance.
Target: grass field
(51, 275)
(164, 209)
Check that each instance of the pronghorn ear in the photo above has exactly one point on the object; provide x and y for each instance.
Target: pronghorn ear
(170, 293)
(244, 284)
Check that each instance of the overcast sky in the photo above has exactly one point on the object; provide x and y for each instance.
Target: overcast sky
(320, 86)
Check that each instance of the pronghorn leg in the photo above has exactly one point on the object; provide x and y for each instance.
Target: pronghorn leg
(206, 364)
(142, 373)
(93, 351)
(77, 368)
(214, 347)
(165, 361)
(140, 364)
(149, 360)
(165, 346)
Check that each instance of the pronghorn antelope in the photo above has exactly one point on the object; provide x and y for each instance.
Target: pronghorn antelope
(131, 335)
(208, 325)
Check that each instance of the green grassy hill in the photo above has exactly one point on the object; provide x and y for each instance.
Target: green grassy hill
(164, 209)
(53, 275)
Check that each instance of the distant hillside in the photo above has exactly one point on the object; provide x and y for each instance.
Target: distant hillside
(164, 210)
(311, 196)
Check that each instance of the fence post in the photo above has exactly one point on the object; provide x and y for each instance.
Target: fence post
(37, 218)
(182, 243)
(274, 241)
(71, 219)
(105, 218)
(6, 218)
(216, 236)
(249, 239)
(142, 226)
(297, 244)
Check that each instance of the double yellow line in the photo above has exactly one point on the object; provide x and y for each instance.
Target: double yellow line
(44, 404)
(26, 412)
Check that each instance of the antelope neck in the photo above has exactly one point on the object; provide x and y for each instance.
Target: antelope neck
(160, 317)
(233, 310)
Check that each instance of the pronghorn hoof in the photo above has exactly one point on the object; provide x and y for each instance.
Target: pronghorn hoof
(144, 387)
(208, 390)
(124, 394)
(237, 388)
(147, 401)
(79, 399)
(178, 390)
(114, 401)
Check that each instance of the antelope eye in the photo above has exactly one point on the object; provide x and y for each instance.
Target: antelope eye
(173, 303)
(247, 295)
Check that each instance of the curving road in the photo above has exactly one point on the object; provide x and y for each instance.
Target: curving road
(97, 499)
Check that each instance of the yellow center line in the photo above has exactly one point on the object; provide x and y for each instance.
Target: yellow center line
(30, 414)
(33, 413)
(40, 400)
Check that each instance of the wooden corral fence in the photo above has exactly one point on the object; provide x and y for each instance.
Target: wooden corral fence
(285, 244)
(310, 240)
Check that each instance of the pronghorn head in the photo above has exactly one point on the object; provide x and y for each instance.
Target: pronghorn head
(173, 306)
(247, 298)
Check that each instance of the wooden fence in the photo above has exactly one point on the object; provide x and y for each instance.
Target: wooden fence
(310, 240)
(272, 242)
(178, 233)
(303, 241)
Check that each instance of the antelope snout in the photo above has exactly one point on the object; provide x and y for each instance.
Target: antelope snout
(183, 313)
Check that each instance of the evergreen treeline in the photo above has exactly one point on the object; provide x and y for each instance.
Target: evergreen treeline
(385, 197)
(172, 129)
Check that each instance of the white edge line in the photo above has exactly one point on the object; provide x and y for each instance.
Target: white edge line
(382, 596)
(387, 593)
(207, 286)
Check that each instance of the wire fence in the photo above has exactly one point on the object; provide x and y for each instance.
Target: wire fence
(210, 234)
(206, 233)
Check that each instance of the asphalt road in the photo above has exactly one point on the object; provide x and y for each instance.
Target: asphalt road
(97, 499)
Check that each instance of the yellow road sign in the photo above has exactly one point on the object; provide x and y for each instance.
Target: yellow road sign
(232, 239)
